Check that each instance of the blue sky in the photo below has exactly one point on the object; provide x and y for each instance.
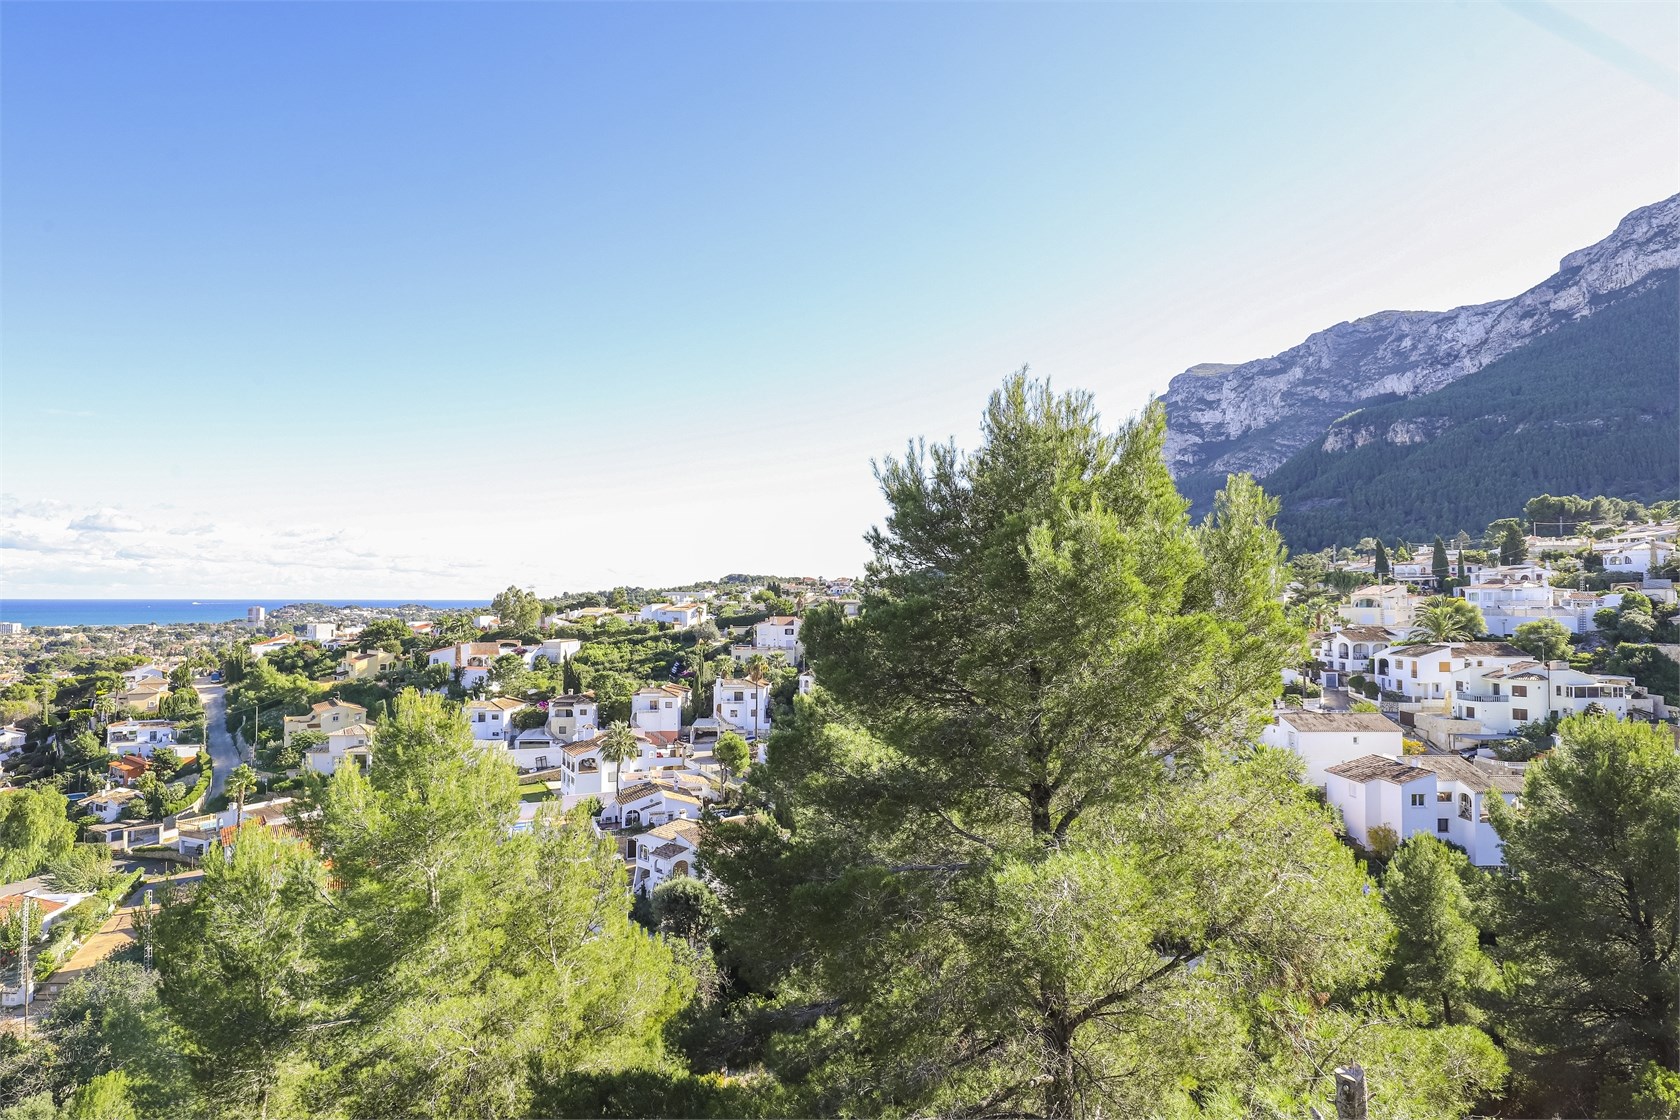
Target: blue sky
(392, 299)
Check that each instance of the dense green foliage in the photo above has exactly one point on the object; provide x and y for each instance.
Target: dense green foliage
(997, 897)
(1586, 918)
(1588, 409)
(33, 831)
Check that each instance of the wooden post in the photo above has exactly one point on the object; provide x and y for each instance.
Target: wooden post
(1350, 1092)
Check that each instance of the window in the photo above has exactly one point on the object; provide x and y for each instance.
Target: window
(1464, 806)
(1470, 712)
(1519, 690)
(481, 717)
(789, 630)
(739, 696)
(1417, 800)
(1441, 824)
(542, 762)
(1444, 795)
(1444, 666)
(1520, 714)
(1356, 740)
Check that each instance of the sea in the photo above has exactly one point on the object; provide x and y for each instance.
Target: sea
(138, 612)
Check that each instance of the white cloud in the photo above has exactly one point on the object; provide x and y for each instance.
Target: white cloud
(106, 521)
(58, 549)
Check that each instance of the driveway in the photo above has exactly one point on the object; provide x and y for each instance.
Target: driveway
(224, 756)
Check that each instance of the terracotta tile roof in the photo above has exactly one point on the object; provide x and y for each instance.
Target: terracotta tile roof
(678, 830)
(1374, 767)
(1338, 721)
(1479, 774)
(43, 906)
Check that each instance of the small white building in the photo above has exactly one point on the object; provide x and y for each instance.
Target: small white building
(659, 707)
(573, 716)
(319, 631)
(9, 628)
(584, 773)
(663, 852)
(493, 719)
(1346, 650)
(352, 741)
(108, 806)
(680, 615)
(326, 717)
(1389, 605)
(1635, 557)
(144, 737)
(1424, 673)
(649, 803)
(1442, 795)
(556, 651)
(1325, 739)
(147, 672)
(1377, 790)
(1504, 698)
(780, 633)
(472, 662)
(742, 705)
(265, 646)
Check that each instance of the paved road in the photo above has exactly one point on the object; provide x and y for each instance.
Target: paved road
(224, 756)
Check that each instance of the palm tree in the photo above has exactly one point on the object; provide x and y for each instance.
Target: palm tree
(619, 745)
(242, 781)
(1448, 620)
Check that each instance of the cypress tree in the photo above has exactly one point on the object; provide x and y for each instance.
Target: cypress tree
(1382, 567)
(1438, 564)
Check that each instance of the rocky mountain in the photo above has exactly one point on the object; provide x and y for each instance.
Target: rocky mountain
(1253, 416)
(1589, 408)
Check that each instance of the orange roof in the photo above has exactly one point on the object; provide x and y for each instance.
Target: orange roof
(43, 906)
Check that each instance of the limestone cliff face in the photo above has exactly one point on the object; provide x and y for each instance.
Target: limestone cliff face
(1253, 416)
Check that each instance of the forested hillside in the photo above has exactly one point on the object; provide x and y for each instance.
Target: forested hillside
(1587, 409)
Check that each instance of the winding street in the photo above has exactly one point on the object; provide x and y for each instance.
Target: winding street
(224, 756)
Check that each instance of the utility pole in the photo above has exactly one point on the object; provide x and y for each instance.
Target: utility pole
(26, 978)
(148, 930)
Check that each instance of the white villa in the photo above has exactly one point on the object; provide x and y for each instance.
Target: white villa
(1325, 739)
(681, 615)
(1422, 673)
(1508, 601)
(327, 716)
(742, 706)
(649, 803)
(1440, 794)
(659, 707)
(1501, 699)
(662, 852)
(1388, 605)
(779, 632)
(493, 719)
(554, 650)
(472, 661)
(352, 740)
(1347, 650)
(144, 736)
